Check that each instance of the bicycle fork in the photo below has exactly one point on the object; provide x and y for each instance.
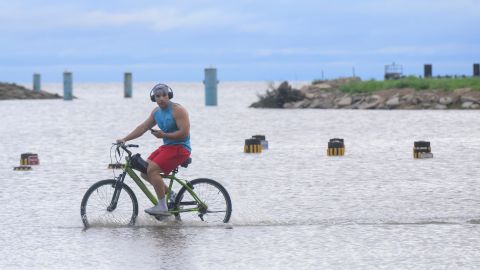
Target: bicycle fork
(116, 193)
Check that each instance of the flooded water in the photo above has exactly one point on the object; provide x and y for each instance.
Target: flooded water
(293, 206)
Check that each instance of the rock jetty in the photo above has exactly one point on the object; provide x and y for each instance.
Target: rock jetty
(327, 95)
(14, 91)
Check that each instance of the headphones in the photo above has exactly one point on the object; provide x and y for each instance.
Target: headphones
(160, 86)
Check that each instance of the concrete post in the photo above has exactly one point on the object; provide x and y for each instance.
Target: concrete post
(427, 71)
(36, 82)
(210, 86)
(67, 86)
(127, 85)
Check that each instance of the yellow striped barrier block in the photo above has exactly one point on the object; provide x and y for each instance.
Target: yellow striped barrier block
(252, 146)
(336, 151)
(29, 159)
(22, 168)
(263, 141)
(422, 149)
(336, 147)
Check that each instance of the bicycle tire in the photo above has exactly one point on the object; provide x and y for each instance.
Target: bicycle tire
(93, 209)
(205, 189)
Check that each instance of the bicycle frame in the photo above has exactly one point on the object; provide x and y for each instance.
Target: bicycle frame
(184, 183)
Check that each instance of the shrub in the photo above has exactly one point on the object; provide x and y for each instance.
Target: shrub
(275, 98)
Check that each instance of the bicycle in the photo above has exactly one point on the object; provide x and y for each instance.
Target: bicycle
(112, 200)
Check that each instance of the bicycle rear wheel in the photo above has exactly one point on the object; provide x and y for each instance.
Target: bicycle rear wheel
(216, 198)
(98, 205)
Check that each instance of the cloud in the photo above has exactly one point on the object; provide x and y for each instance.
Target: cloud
(157, 18)
(404, 49)
(247, 33)
(405, 8)
(301, 51)
(426, 50)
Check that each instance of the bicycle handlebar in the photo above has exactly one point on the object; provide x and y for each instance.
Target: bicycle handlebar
(124, 147)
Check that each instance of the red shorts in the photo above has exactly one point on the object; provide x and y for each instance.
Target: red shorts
(168, 157)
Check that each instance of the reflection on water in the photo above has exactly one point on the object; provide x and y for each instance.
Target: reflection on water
(293, 206)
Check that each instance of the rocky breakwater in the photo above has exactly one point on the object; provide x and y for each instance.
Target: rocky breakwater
(14, 91)
(327, 95)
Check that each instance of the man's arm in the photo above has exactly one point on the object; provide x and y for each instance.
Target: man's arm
(140, 129)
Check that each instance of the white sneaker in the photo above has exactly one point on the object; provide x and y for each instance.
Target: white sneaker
(157, 210)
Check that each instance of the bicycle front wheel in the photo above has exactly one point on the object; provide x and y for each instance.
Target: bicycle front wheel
(104, 204)
(216, 208)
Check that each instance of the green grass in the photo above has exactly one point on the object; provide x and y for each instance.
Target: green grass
(412, 82)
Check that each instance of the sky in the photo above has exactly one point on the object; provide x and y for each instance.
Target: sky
(270, 40)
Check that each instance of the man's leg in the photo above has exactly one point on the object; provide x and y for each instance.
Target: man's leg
(153, 174)
(145, 176)
(172, 192)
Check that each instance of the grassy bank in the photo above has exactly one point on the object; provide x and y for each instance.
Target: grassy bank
(412, 82)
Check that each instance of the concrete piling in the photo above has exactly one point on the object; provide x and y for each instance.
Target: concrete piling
(127, 85)
(36, 82)
(67, 86)
(210, 83)
(427, 71)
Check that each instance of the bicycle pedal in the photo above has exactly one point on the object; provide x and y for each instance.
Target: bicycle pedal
(160, 217)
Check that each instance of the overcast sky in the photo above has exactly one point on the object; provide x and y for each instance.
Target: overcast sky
(245, 40)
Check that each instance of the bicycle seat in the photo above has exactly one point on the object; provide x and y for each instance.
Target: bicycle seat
(186, 162)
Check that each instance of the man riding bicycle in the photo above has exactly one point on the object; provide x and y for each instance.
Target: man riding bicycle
(174, 124)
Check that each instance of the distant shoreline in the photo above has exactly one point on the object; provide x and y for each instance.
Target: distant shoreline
(334, 95)
(10, 91)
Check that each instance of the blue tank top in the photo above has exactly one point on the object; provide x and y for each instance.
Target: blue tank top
(166, 122)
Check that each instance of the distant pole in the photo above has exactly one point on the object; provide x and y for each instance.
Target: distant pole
(210, 86)
(353, 71)
(67, 86)
(476, 70)
(36, 82)
(127, 85)
(427, 71)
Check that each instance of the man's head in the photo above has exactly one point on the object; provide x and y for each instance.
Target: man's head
(161, 93)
